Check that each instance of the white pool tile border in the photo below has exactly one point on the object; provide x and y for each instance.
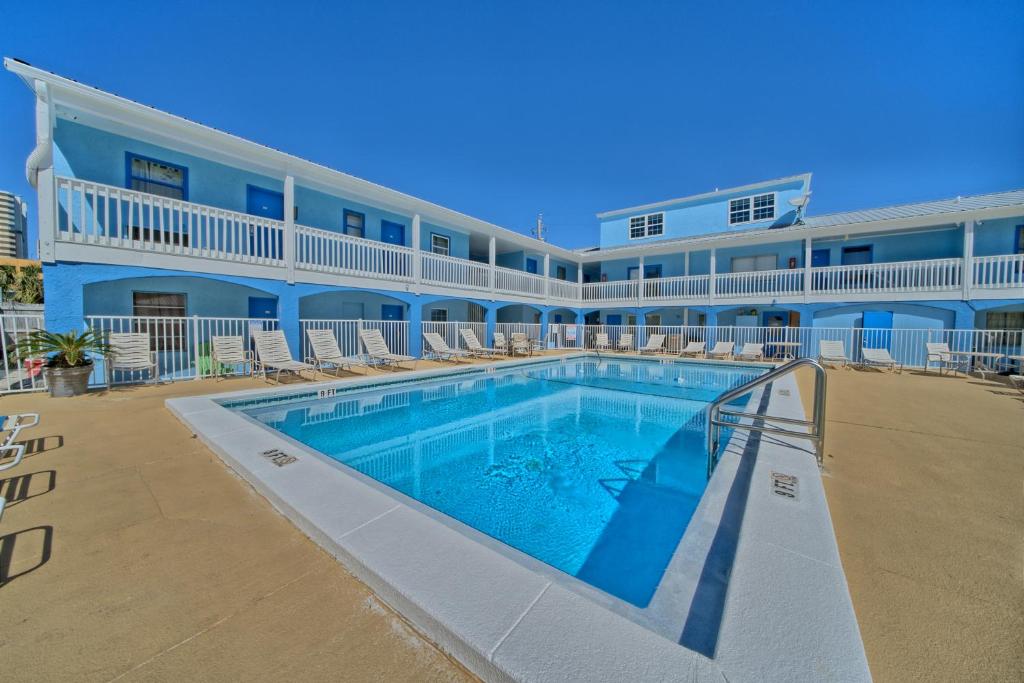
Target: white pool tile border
(506, 620)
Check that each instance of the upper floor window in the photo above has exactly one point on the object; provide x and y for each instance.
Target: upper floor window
(440, 244)
(651, 225)
(560, 272)
(157, 177)
(746, 264)
(760, 207)
(355, 223)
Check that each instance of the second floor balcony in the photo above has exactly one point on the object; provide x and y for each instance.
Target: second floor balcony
(106, 224)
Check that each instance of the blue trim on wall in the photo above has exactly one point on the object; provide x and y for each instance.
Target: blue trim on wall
(128, 177)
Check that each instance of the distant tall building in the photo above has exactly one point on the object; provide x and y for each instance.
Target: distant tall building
(13, 226)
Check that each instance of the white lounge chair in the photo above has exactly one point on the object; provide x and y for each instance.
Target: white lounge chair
(879, 358)
(939, 353)
(272, 354)
(473, 345)
(694, 349)
(751, 352)
(377, 350)
(625, 341)
(522, 344)
(601, 341)
(439, 348)
(655, 344)
(130, 351)
(326, 352)
(12, 426)
(1017, 382)
(832, 353)
(229, 351)
(722, 350)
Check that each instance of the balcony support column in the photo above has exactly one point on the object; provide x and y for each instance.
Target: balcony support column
(44, 181)
(711, 277)
(417, 262)
(640, 282)
(967, 269)
(492, 257)
(547, 277)
(490, 322)
(415, 329)
(289, 228)
(807, 268)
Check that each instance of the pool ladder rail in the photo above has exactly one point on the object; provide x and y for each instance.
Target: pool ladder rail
(717, 411)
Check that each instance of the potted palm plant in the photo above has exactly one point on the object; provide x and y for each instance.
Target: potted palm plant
(68, 362)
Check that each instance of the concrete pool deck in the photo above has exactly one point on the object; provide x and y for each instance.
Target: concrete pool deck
(140, 577)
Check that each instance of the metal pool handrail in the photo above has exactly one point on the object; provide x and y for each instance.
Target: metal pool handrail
(816, 425)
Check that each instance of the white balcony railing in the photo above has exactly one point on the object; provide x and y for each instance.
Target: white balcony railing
(509, 281)
(96, 214)
(562, 289)
(934, 275)
(684, 287)
(454, 272)
(997, 272)
(618, 290)
(332, 252)
(759, 283)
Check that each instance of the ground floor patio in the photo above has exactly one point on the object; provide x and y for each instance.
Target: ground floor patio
(129, 552)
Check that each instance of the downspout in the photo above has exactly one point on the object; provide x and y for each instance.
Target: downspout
(42, 155)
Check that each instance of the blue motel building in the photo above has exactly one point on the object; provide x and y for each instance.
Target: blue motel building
(145, 213)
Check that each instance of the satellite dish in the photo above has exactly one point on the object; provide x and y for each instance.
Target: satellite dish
(801, 201)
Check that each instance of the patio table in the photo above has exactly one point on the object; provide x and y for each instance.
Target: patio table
(782, 349)
(976, 360)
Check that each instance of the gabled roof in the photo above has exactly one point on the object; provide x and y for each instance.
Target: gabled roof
(991, 200)
(805, 178)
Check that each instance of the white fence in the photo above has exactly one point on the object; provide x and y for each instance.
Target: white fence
(449, 331)
(906, 346)
(19, 374)
(183, 345)
(332, 252)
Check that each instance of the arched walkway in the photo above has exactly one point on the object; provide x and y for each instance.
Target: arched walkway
(352, 305)
(176, 295)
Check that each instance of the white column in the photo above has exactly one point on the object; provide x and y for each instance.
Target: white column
(417, 264)
(579, 283)
(492, 257)
(711, 277)
(967, 270)
(640, 281)
(46, 187)
(686, 263)
(807, 268)
(547, 274)
(289, 227)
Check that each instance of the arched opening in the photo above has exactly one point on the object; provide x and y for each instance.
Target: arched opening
(759, 316)
(519, 313)
(562, 316)
(352, 305)
(1006, 317)
(177, 296)
(886, 316)
(454, 310)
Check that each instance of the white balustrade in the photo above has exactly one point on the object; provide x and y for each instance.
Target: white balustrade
(758, 283)
(562, 289)
(103, 215)
(449, 271)
(333, 252)
(997, 272)
(934, 275)
(616, 290)
(509, 281)
(683, 287)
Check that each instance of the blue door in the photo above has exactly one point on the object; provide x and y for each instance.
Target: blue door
(392, 233)
(260, 307)
(877, 329)
(821, 258)
(531, 265)
(855, 256)
(614, 319)
(265, 203)
(558, 318)
(391, 312)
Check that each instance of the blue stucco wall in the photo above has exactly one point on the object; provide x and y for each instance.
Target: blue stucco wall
(995, 237)
(942, 243)
(224, 300)
(688, 219)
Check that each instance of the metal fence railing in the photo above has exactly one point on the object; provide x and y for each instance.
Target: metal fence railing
(395, 333)
(19, 374)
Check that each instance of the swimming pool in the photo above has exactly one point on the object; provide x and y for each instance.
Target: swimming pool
(593, 466)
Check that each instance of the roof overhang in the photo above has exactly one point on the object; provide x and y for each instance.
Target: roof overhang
(109, 110)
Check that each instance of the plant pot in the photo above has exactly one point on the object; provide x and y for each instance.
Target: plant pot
(65, 382)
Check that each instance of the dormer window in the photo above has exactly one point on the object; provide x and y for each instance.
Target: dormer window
(760, 207)
(651, 225)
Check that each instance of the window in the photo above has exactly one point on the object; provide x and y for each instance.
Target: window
(439, 315)
(1004, 320)
(154, 308)
(560, 273)
(653, 319)
(156, 177)
(650, 225)
(760, 207)
(746, 264)
(354, 223)
(440, 244)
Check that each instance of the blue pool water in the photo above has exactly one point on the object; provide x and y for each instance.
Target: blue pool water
(594, 467)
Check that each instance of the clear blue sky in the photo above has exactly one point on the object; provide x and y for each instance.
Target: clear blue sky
(502, 110)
